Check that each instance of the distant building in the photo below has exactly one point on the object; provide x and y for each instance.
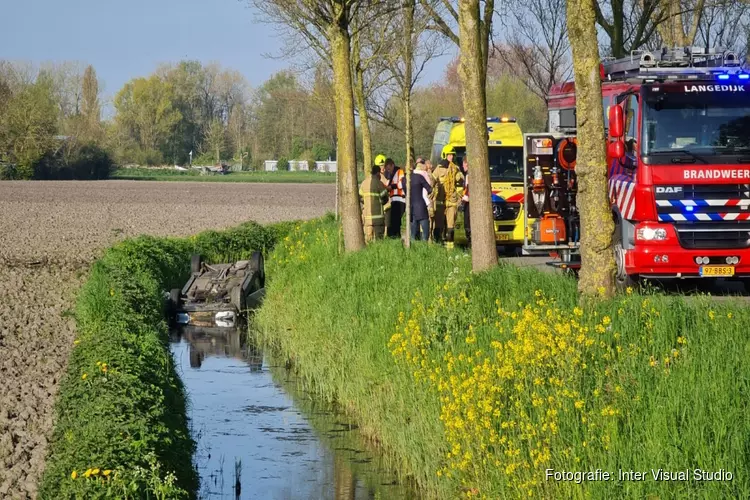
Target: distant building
(301, 165)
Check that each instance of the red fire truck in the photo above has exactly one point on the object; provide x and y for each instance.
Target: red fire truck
(678, 156)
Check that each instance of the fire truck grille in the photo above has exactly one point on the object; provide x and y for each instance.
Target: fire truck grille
(701, 235)
(715, 192)
(502, 210)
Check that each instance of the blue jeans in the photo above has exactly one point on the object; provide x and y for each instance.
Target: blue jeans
(424, 225)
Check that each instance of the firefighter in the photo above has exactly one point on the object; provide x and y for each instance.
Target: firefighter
(397, 190)
(374, 197)
(448, 178)
(380, 162)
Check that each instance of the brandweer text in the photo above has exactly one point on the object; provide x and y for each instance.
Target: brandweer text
(716, 174)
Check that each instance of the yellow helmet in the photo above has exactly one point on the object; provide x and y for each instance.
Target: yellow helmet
(447, 150)
(380, 160)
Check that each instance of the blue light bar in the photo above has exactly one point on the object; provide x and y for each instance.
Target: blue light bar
(723, 77)
(689, 208)
(743, 76)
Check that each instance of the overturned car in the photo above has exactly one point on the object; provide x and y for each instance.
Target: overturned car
(218, 295)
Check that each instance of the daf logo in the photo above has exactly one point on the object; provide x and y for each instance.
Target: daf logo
(668, 189)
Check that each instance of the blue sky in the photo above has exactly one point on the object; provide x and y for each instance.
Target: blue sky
(127, 39)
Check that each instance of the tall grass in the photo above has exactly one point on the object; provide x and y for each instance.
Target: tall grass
(476, 385)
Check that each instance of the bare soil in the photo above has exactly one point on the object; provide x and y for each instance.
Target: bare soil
(70, 222)
(49, 233)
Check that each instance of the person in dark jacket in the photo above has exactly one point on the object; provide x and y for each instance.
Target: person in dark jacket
(419, 199)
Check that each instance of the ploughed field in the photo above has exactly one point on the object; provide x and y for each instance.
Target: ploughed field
(51, 232)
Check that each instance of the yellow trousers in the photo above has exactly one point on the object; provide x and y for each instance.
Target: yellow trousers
(373, 233)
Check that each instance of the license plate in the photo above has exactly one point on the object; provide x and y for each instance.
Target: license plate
(717, 270)
(503, 237)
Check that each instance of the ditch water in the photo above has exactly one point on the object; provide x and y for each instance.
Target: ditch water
(260, 435)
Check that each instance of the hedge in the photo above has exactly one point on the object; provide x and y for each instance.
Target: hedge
(121, 427)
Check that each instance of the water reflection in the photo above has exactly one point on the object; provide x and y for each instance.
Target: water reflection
(220, 342)
(261, 436)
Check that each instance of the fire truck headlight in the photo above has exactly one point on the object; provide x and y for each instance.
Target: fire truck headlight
(651, 234)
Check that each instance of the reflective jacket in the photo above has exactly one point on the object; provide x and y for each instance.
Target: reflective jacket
(397, 186)
(374, 196)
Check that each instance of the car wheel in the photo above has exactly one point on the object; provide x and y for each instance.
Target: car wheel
(257, 264)
(622, 279)
(174, 298)
(196, 262)
(237, 296)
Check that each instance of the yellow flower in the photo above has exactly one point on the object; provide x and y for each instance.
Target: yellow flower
(579, 404)
(76, 342)
(711, 315)
(681, 340)
(111, 292)
(73, 475)
(87, 473)
(106, 472)
(729, 315)
(83, 377)
(95, 471)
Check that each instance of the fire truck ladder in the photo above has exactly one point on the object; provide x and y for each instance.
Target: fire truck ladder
(687, 63)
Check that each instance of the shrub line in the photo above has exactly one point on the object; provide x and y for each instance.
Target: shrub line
(121, 428)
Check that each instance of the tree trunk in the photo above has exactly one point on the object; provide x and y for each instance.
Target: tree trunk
(597, 257)
(472, 68)
(346, 148)
(406, 91)
(364, 121)
(364, 116)
(672, 30)
(618, 25)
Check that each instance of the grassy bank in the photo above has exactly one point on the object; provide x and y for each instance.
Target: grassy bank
(476, 385)
(121, 427)
(150, 174)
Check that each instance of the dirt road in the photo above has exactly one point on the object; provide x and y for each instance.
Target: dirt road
(49, 233)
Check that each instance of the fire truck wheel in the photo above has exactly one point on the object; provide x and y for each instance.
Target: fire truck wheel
(622, 279)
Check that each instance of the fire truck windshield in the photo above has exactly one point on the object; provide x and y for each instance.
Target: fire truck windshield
(506, 163)
(713, 123)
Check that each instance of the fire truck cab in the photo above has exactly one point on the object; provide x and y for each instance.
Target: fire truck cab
(678, 155)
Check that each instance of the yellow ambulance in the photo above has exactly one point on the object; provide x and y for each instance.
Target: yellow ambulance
(505, 146)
